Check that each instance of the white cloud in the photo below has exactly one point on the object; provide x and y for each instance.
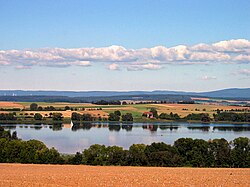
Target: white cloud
(140, 67)
(231, 51)
(206, 77)
(22, 67)
(113, 66)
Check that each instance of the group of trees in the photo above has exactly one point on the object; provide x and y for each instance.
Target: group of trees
(204, 117)
(230, 116)
(170, 116)
(32, 151)
(184, 152)
(81, 117)
(7, 116)
(116, 116)
(55, 116)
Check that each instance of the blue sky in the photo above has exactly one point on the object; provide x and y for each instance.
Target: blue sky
(42, 26)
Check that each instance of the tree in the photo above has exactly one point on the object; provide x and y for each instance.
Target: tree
(137, 156)
(127, 117)
(117, 112)
(220, 148)
(77, 159)
(154, 111)
(38, 116)
(57, 116)
(240, 153)
(33, 106)
(67, 108)
(87, 117)
(76, 116)
(113, 117)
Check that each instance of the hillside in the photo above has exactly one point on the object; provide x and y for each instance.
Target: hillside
(224, 93)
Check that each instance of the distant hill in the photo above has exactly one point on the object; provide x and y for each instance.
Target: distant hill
(229, 93)
(225, 93)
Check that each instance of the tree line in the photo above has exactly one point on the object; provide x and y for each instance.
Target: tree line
(204, 117)
(184, 152)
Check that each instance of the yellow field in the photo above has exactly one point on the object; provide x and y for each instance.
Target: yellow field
(66, 175)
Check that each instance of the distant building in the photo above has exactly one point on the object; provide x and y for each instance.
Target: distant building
(148, 114)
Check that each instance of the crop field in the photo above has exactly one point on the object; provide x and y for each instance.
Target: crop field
(135, 109)
(66, 175)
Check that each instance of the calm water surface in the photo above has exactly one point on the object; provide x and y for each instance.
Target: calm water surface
(70, 140)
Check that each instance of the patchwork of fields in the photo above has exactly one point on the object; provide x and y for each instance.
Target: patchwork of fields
(135, 109)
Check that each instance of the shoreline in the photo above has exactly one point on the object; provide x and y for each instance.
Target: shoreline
(68, 120)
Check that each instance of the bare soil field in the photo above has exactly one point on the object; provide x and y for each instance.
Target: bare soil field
(4, 104)
(65, 175)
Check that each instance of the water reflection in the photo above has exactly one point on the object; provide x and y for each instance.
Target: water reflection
(235, 128)
(203, 128)
(69, 138)
(129, 127)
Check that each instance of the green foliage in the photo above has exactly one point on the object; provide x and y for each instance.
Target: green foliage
(127, 117)
(7, 116)
(137, 156)
(170, 116)
(84, 117)
(75, 116)
(113, 117)
(38, 116)
(154, 111)
(66, 108)
(240, 154)
(221, 151)
(87, 117)
(33, 106)
(117, 112)
(231, 116)
(57, 116)
(204, 117)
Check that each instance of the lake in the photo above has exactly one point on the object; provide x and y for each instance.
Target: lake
(67, 139)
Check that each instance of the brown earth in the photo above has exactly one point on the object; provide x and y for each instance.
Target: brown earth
(65, 175)
(4, 104)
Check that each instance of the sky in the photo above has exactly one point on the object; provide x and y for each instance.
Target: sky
(186, 45)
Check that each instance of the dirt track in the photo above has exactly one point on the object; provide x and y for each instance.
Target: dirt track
(56, 175)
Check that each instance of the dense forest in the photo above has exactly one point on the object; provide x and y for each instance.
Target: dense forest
(184, 152)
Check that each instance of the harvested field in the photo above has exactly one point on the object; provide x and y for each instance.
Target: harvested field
(193, 108)
(65, 175)
(4, 104)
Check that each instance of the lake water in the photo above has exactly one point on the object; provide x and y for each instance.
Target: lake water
(70, 140)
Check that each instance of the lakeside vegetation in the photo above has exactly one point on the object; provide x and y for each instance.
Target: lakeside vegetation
(184, 152)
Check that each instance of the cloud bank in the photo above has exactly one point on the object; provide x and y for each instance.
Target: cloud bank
(231, 51)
